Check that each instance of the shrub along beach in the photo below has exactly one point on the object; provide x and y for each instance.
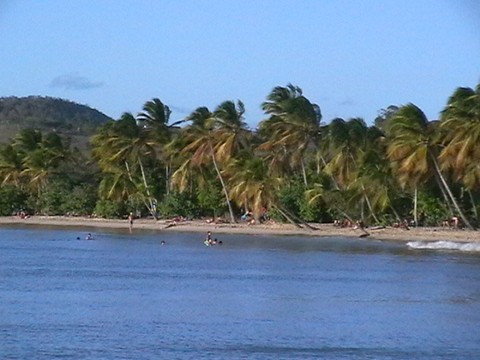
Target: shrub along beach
(403, 177)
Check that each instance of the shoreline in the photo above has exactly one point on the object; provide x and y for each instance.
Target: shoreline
(428, 234)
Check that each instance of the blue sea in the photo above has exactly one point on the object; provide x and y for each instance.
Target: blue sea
(127, 296)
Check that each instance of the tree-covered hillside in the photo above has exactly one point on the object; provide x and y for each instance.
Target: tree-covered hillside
(47, 114)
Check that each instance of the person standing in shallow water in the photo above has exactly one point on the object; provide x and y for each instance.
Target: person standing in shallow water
(130, 222)
(208, 239)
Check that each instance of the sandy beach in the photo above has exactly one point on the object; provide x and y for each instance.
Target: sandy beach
(322, 230)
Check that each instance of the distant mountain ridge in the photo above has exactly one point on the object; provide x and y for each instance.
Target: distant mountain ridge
(48, 114)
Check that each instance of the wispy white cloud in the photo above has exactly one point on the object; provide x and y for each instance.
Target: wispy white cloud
(346, 102)
(74, 82)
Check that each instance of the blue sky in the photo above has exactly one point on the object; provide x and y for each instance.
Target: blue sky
(352, 58)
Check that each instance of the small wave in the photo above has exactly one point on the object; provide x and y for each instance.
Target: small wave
(444, 245)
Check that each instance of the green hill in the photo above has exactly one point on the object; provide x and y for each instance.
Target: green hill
(71, 120)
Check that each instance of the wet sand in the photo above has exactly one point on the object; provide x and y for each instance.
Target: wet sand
(321, 230)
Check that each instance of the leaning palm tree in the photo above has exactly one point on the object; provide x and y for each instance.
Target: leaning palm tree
(213, 138)
(460, 135)
(413, 152)
(231, 136)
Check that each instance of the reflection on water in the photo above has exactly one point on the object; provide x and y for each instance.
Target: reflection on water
(126, 296)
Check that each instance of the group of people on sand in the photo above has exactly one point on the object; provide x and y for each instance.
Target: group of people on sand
(23, 215)
(209, 241)
(249, 216)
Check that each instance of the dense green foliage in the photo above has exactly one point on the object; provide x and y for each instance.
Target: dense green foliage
(294, 167)
(12, 200)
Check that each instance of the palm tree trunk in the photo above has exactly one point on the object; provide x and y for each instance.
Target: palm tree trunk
(395, 213)
(288, 217)
(367, 200)
(450, 194)
(230, 210)
(343, 213)
(304, 173)
(167, 179)
(150, 205)
(444, 193)
(128, 171)
(318, 158)
(474, 207)
(299, 220)
(415, 206)
(362, 210)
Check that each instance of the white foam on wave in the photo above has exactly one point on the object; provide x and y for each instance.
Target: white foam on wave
(444, 245)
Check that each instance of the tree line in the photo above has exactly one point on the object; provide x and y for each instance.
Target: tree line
(294, 166)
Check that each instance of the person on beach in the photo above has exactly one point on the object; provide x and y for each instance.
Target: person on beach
(130, 222)
(361, 225)
(247, 216)
(455, 222)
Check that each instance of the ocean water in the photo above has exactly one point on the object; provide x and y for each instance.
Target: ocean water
(123, 296)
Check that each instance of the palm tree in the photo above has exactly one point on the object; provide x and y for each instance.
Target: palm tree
(460, 132)
(231, 132)
(348, 142)
(413, 151)
(292, 129)
(375, 176)
(214, 139)
(121, 148)
(40, 163)
(201, 147)
(32, 157)
(154, 120)
(155, 115)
